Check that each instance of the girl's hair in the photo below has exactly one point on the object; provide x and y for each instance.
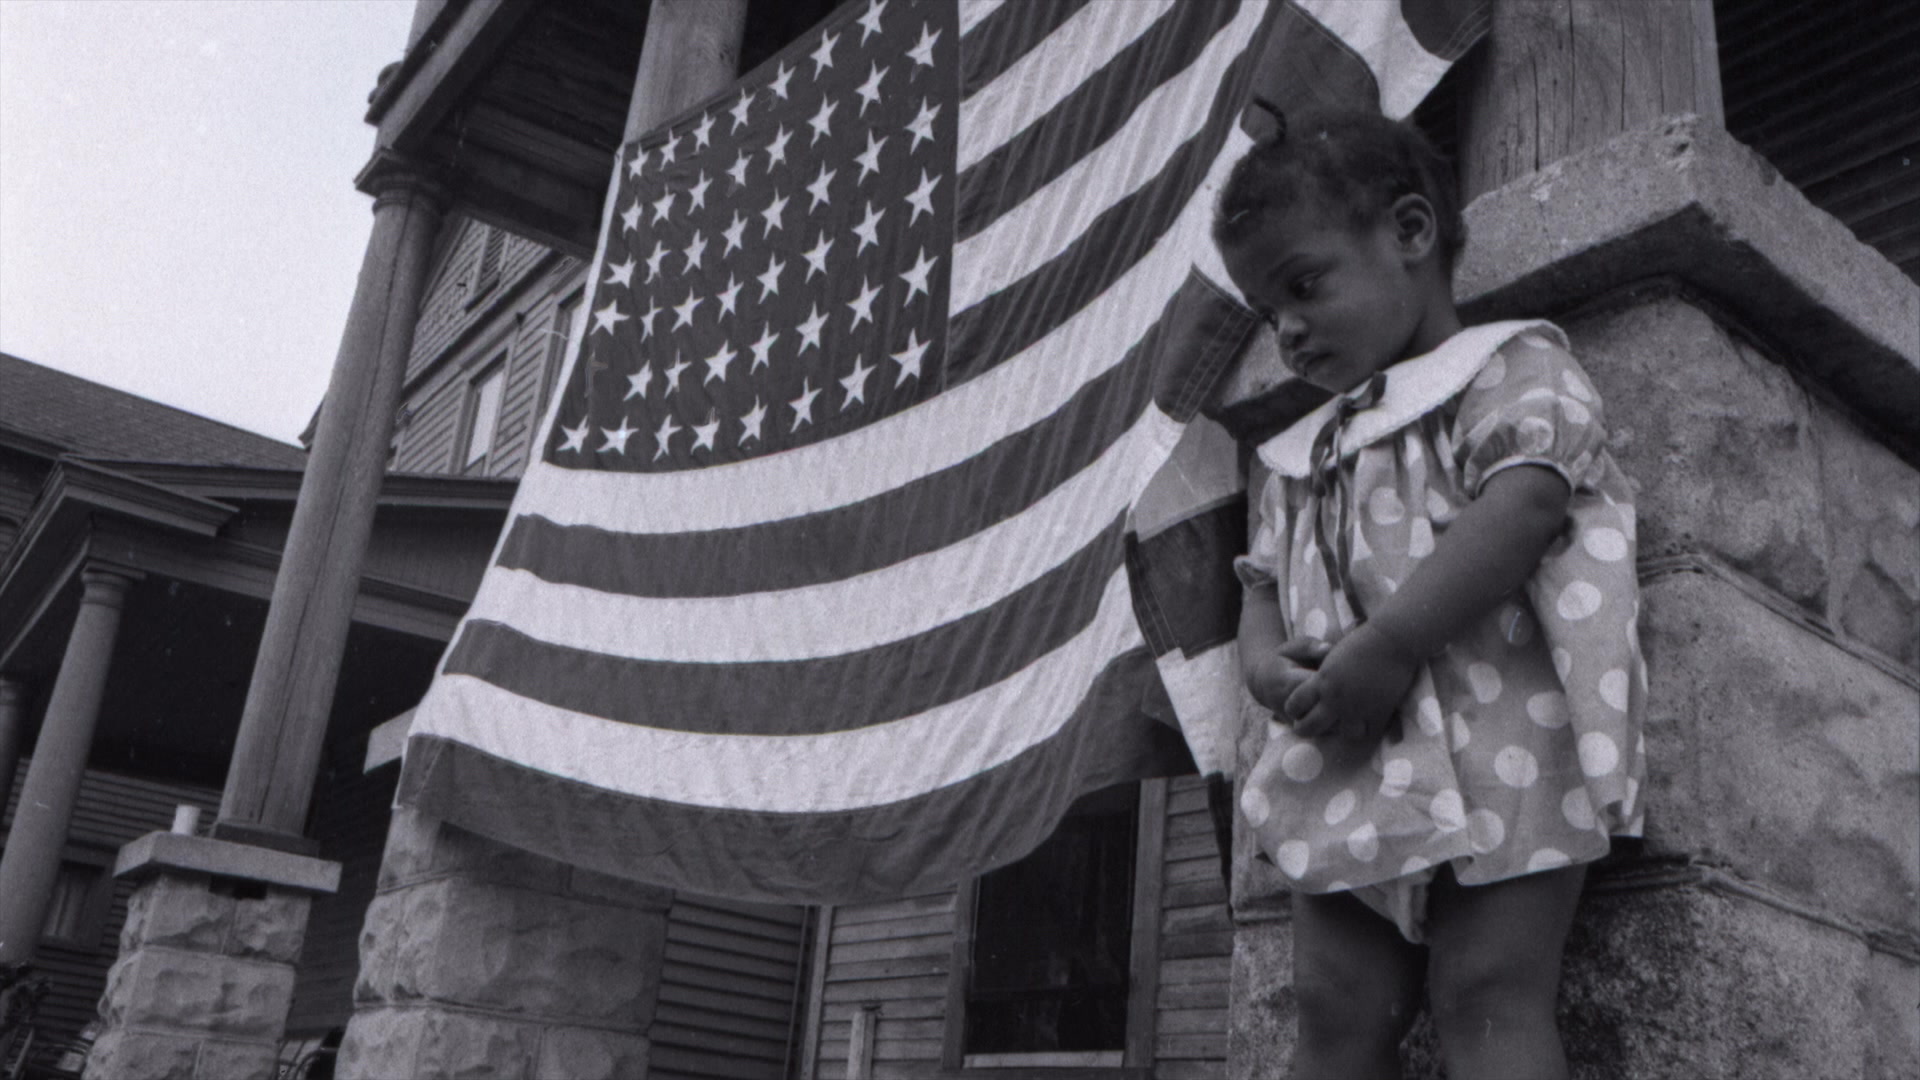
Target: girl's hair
(1348, 158)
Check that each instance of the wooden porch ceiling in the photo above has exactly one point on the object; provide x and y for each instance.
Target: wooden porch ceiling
(519, 105)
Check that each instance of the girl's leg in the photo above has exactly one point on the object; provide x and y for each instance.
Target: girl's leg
(1494, 973)
(1358, 985)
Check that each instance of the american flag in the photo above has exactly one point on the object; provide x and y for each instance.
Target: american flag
(819, 590)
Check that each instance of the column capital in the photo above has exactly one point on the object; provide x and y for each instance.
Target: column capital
(104, 583)
(390, 177)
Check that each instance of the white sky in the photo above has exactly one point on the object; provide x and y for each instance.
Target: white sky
(177, 210)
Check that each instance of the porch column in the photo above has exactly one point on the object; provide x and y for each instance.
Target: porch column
(13, 716)
(32, 858)
(277, 754)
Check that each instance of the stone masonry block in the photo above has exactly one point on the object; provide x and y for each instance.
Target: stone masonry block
(420, 847)
(483, 945)
(594, 885)
(272, 927)
(221, 1059)
(1262, 1010)
(1873, 516)
(1780, 754)
(195, 992)
(592, 1054)
(120, 1054)
(177, 910)
(429, 1044)
(1718, 439)
(1893, 1017)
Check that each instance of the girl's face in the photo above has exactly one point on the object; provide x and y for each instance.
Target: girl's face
(1344, 302)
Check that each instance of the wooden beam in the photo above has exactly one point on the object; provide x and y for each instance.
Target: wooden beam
(1559, 76)
(409, 114)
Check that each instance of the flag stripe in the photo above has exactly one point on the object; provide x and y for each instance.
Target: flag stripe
(1007, 321)
(1180, 571)
(899, 601)
(1033, 85)
(1001, 37)
(935, 435)
(900, 678)
(807, 772)
(1124, 93)
(972, 12)
(877, 852)
(1142, 159)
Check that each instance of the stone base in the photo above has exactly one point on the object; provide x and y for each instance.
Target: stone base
(1699, 979)
(203, 982)
(479, 959)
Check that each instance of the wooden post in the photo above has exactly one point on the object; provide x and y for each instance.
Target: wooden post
(13, 717)
(1558, 76)
(692, 51)
(40, 824)
(277, 754)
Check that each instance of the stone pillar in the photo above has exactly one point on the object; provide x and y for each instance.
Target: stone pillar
(277, 753)
(13, 717)
(205, 974)
(32, 859)
(478, 959)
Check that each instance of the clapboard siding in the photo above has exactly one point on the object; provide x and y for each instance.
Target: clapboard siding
(110, 811)
(894, 955)
(351, 811)
(1196, 943)
(729, 989)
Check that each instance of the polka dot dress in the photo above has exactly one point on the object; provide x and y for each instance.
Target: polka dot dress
(1521, 747)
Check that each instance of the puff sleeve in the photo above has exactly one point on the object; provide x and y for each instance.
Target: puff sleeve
(1531, 405)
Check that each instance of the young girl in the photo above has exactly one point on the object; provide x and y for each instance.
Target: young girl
(1440, 612)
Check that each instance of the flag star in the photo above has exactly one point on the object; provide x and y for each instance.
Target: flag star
(698, 192)
(810, 330)
(703, 433)
(703, 134)
(870, 22)
(639, 163)
(717, 364)
(683, 312)
(654, 260)
(803, 405)
(608, 317)
(763, 349)
(646, 321)
(922, 196)
(856, 383)
(697, 249)
(779, 83)
(733, 233)
(630, 217)
(869, 91)
(738, 170)
(822, 119)
(823, 56)
(773, 213)
(622, 274)
(870, 160)
(922, 53)
(909, 357)
(869, 229)
(667, 150)
(576, 440)
(922, 124)
(916, 278)
(752, 421)
(740, 108)
(662, 207)
(617, 437)
(638, 382)
(668, 429)
(777, 149)
(727, 295)
(770, 278)
(673, 373)
(818, 189)
(862, 305)
(817, 258)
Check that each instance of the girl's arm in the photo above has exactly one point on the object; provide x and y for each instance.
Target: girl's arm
(1274, 668)
(1488, 552)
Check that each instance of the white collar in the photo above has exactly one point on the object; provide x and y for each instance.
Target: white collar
(1414, 388)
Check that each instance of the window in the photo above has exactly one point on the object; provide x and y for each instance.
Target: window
(77, 910)
(483, 414)
(487, 264)
(1053, 960)
(569, 319)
